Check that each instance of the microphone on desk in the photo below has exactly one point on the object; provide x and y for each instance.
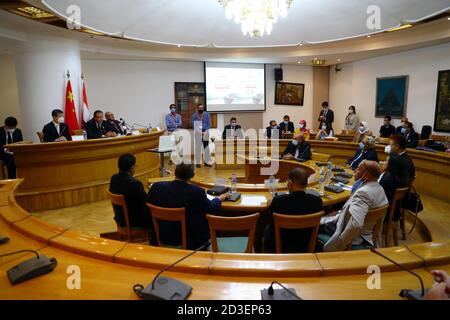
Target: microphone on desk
(405, 293)
(31, 268)
(279, 294)
(164, 288)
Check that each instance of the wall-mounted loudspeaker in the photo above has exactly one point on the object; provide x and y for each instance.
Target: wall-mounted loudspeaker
(278, 74)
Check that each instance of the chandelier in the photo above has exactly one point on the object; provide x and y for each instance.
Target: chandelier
(256, 17)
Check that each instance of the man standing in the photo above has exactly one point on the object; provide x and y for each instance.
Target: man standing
(232, 130)
(173, 119)
(326, 115)
(95, 128)
(113, 125)
(9, 134)
(201, 123)
(387, 129)
(57, 130)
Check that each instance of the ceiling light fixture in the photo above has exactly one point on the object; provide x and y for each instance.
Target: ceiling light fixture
(256, 17)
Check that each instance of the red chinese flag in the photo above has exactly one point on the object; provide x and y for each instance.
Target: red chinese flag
(70, 113)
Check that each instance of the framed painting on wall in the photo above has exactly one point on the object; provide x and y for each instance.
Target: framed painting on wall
(391, 97)
(290, 94)
(442, 113)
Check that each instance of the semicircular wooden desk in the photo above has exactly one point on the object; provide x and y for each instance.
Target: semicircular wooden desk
(339, 275)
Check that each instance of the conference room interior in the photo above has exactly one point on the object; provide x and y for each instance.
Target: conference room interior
(120, 130)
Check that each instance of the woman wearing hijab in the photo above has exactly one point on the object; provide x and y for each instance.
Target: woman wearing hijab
(302, 129)
(362, 132)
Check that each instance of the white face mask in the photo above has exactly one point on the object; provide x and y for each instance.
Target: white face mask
(11, 131)
(295, 142)
(324, 127)
(362, 129)
(388, 149)
(301, 126)
(61, 120)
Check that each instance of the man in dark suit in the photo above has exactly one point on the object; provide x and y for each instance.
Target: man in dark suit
(179, 193)
(297, 202)
(387, 129)
(57, 130)
(9, 133)
(397, 145)
(400, 129)
(95, 128)
(326, 115)
(133, 191)
(286, 126)
(273, 131)
(113, 125)
(365, 152)
(411, 136)
(297, 149)
(232, 130)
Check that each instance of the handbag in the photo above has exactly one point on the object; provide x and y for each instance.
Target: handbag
(412, 201)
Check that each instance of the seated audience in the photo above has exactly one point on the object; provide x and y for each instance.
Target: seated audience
(297, 202)
(298, 148)
(113, 125)
(387, 129)
(412, 137)
(303, 130)
(232, 130)
(173, 119)
(394, 176)
(440, 289)
(397, 145)
(9, 133)
(133, 191)
(350, 227)
(400, 127)
(57, 130)
(366, 151)
(273, 131)
(324, 131)
(286, 126)
(362, 132)
(181, 194)
(352, 119)
(95, 128)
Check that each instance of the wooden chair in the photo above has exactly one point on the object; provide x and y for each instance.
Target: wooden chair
(320, 157)
(397, 199)
(40, 136)
(376, 217)
(282, 221)
(169, 214)
(382, 140)
(133, 235)
(3, 170)
(331, 139)
(233, 244)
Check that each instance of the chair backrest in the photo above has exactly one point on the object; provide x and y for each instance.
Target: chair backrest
(375, 217)
(168, 214)
(119, 200)
(282, 221)
(349, 132)
(321, 157)
(78, 132)
(426, 132)
(217, 223)
(399, 194)
(40, 136)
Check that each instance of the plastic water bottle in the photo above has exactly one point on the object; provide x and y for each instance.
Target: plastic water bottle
(329, 169)
(149, 129)
(272, 186)
(321, 180)
(233, 182)
(84, 135)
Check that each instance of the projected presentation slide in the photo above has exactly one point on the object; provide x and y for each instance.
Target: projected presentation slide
(235, 87)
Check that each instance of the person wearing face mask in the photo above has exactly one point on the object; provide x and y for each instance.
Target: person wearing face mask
(412, 138)
(350, 227)
(287, 126)
(326, 115)
(397, 145)
(298, 148)
(232, 130)
(362, 132)
(302, 129)
(366, 151)
(201, 123)
(173, 119)
(324, 132)
(352, 119)
(297, 202)
(9, 134)
(387, 129)
(273, 131)
(57, 130)
(399, 128)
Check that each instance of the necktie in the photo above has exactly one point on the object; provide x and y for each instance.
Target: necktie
(10, 140)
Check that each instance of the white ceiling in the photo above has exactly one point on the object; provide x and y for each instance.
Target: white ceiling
(203, 23)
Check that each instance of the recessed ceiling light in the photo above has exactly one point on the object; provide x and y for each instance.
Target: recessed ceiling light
(368, 36)
(315, 58)
(299, 62)
(339, 60)
(448, 18)
(300, 44)
(179, 46)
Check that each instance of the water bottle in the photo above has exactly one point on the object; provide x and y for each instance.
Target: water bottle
(329, 169)
(149, 129)
(321, 180)
(84, 135)
(233, 182)
(272, 186)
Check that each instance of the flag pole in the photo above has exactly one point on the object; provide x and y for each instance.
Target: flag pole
(68, 74)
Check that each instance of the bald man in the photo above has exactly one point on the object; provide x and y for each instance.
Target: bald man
(298, 148)
(400, 127)
(350, 226)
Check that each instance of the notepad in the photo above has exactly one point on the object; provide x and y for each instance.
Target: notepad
(166, 143)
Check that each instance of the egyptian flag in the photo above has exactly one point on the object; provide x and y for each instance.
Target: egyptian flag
(70, 113)
(85, 111)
